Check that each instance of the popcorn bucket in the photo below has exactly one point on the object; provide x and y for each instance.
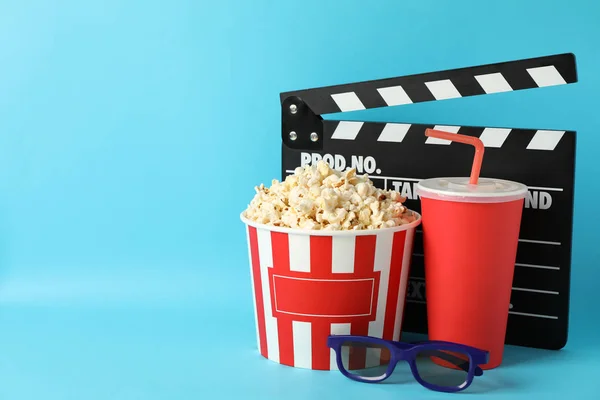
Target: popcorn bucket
(310, 284)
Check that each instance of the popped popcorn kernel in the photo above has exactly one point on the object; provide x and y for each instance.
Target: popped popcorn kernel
(318, 197)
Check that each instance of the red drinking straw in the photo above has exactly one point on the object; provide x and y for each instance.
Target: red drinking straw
(473, 141)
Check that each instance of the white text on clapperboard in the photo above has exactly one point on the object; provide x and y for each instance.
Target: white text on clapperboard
(536, 199)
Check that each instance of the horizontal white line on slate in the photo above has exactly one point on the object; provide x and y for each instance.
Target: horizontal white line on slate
(537, 266)
(551, 189)
(539, 242)
(533, 315)
(535, 290)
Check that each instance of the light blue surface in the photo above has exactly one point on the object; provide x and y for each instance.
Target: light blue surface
(132, 133)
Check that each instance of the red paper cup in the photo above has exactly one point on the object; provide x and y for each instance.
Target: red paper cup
(470, 237)
(310, 284)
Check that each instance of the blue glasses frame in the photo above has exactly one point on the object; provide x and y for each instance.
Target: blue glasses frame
(400, 351)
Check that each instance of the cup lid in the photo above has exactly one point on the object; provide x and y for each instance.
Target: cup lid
(459, 188)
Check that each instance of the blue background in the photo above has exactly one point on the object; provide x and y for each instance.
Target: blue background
(133, 132)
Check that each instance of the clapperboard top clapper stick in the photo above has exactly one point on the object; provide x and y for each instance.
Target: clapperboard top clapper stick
(392, 154)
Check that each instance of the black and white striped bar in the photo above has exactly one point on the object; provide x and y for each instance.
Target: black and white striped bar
(455, 83)
(396, 133)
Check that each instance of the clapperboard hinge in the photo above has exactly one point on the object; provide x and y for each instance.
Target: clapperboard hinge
(393, 153)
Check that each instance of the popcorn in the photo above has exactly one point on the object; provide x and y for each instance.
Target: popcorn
(319, 198)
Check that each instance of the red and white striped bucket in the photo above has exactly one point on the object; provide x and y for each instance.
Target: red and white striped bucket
(308, 285)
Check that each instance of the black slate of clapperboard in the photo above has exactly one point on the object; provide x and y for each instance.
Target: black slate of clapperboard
(398, 155)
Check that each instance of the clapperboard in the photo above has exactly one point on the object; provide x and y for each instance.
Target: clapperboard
(397, 155)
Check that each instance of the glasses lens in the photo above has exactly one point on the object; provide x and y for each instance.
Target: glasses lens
(367, 360)
(443, 368)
